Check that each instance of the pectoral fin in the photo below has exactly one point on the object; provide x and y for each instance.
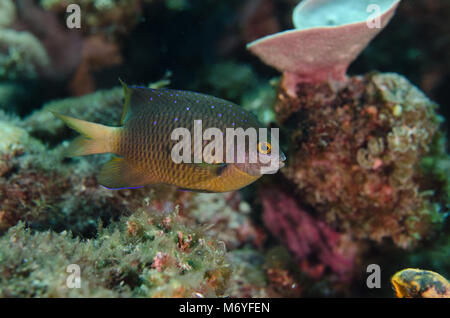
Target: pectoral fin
(213, 170)
(118, 173)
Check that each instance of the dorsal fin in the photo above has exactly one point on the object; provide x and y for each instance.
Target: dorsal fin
(127, 97)
(138, 98)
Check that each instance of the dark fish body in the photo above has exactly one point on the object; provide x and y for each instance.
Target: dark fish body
(143, 144)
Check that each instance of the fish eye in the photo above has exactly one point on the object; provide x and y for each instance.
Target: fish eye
(264, 148)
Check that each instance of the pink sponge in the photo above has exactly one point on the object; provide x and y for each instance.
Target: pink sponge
(329, 35)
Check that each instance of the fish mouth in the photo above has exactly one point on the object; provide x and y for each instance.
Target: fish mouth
(282, 160)
(278, 165)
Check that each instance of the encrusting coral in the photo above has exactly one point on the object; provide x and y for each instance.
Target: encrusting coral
(356, 153)
(150, 254)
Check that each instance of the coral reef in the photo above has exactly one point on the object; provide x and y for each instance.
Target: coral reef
(150, 255)
(42, 195)
(367, 179)
(62, 45)
(356, 152)
(316, 246)
(104, 106)
(23, 56)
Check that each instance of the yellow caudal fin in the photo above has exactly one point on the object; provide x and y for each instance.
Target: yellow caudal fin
(95, 138)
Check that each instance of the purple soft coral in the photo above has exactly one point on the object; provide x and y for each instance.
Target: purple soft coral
(307, 237)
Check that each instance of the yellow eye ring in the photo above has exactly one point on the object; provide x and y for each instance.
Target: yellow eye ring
(264, 148)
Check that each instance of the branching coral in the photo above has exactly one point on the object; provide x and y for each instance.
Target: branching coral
(356, 156)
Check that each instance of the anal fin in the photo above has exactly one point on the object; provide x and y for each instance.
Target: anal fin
(118, 174)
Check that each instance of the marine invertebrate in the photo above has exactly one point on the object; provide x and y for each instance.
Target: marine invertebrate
(328, 36)
(21, 55)
(142, 262)
(63, 46)
(229, 214)
(316, 246)
(97, 53)
(417, 283)
(356, 154)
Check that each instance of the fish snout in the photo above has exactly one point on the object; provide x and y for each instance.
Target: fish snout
(282, 159)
